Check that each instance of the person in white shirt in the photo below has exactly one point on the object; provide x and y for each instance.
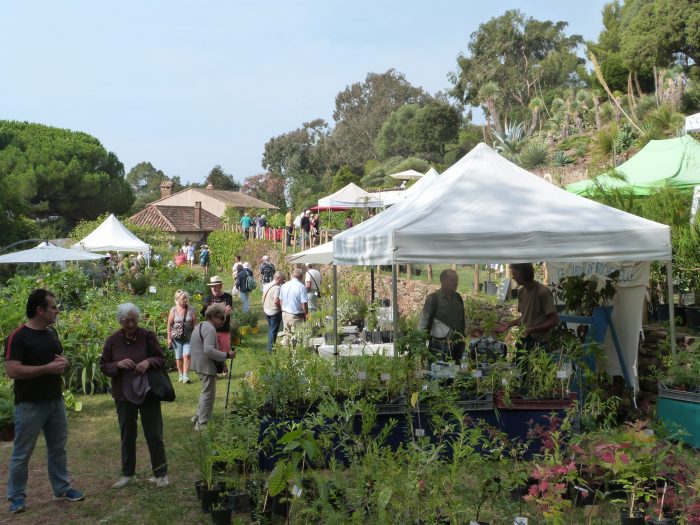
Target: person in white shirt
(272, 307)
(294, 302)
(313, 287)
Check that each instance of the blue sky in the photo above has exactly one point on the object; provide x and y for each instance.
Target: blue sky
(189, 85)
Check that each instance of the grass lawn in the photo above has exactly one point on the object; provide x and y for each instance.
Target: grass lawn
(94, 459)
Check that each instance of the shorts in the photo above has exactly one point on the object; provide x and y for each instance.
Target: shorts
(181, 348)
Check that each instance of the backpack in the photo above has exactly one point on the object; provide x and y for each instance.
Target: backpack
(204, 256)
(250, 283)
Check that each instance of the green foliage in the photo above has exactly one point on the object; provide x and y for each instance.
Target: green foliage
(510, 142)
(145, 182)
(224, 245)
(516, 52)
(49, 172)
(343, 177)
(535, 154)
(221, 180)
(468, 138)
(561, 159)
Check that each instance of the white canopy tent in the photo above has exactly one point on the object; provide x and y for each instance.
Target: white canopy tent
(407, 175)
(112, 235)
(322, 254)
(495, 211)
(351, 196)
(692, 123)
(48, 252)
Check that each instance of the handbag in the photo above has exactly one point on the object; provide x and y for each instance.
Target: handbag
(159, 381)
(177, 331)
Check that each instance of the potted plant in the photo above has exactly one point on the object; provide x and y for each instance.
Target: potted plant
(679, 396)
(221, 511)
(372, 333)
(198, 448)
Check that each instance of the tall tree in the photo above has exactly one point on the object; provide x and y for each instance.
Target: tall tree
(221, 180)
(49, 172)
(301, 157)
(362, 108)
(268, 187)
(518, 54)
(145, 181)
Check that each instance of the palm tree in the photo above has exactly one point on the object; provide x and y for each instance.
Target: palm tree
(487, 96)
(536, 105)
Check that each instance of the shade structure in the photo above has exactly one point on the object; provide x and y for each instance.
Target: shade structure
(486, 209)
(673, 162)
(112, 235)
(351, 196)
(322, 254)
(692, 123)
(47, 252)
(407, 175)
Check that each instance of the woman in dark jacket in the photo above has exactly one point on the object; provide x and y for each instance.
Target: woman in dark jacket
(128, 353)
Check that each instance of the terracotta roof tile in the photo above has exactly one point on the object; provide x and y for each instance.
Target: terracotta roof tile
(175, 219)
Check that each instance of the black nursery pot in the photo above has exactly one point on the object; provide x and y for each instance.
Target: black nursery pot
(638, 518)
(240, 501)
(210, 497)
(662, 521)
(222, 516)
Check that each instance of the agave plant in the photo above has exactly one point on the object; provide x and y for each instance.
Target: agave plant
(561, 158)
(534, 155)
(510, 142)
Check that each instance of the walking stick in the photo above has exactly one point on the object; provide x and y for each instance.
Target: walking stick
(228, 387)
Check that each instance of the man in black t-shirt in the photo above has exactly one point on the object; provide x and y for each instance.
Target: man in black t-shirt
(217, 295)
(34, 359)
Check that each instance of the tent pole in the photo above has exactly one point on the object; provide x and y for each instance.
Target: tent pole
(671, 307)
(371, 276)
(335, 313)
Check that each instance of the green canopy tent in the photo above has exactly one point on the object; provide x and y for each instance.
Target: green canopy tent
(675, 162)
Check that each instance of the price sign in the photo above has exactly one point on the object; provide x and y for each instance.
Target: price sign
(420, 432)
(362, 376)
(477, 373)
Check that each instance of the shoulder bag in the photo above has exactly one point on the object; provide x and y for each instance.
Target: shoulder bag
(159, 381)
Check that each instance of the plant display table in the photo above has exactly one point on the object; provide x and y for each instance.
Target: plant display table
(345, 350)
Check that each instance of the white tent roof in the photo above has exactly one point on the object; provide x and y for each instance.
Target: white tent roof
(692, 123)
(111, 235)
(48, 252)
(322, 254)
(407, 175)
(351, 196)
(486, 209)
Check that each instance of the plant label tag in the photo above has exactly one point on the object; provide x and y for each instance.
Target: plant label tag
(362, 375)
(520, 521)
(463, 366)
(420, 432)
(386, 377)
(562, 374)
(473, 522)
(504, 381)
(249, 374)
(296, 491)
(336, 373)
(477, 373)
(152, 289)
(425, 388)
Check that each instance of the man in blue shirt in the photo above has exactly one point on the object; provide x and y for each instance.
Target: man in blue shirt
(245, 224)
(294, 301)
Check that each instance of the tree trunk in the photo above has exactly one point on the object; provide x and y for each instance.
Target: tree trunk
(535, 118)
(596, 111)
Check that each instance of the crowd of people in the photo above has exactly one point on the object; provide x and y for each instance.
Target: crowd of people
(34, 359)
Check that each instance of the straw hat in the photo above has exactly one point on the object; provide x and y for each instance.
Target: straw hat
(215, 280)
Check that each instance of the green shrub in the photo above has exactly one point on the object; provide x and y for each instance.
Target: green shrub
(561, 158)
(534, 155)
(224, 246)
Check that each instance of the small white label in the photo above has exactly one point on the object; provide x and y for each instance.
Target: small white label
(562, 374)
(385, 377)
(425, 388)
(504, 381)
(463, 366)
(520, 521)
(473, 523)
(420, 432)
(296, 491)
(362, 375)
(152, 289)
(477, 373)
(249, 374)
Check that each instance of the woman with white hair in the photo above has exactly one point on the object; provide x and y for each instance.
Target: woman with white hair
(181, 321)
(128, 353)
